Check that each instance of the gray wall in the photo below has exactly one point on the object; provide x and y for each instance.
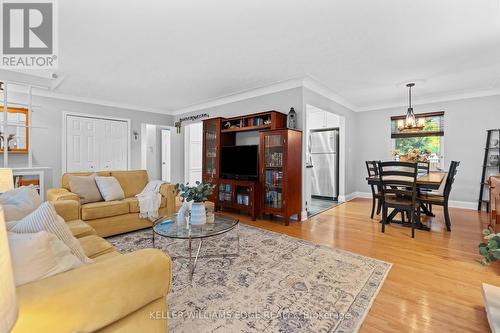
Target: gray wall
(46, 142)
(465, 125)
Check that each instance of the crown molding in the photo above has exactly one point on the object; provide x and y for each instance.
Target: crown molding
(95, 101)
(242, 95)
(316, 86)
(434, 99)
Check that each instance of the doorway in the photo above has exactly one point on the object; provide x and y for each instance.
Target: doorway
(193, 143)
(156, 151)
(324, 160)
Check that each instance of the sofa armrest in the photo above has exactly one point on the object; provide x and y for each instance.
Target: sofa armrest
(54, 194)
(69, 210)
(95, 295)
(168, 191)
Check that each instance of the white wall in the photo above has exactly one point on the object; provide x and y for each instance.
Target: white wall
(465, 125)
(47, 141)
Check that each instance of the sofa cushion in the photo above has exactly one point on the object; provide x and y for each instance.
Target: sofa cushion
(45, 218)
(132, 182)
(134, 204)
(39, 255)
(65, 177)
(19, 202)
(80, 229)
(107, 256)
(95, 246)
(85, 187)
(99, 210)
(110, 188)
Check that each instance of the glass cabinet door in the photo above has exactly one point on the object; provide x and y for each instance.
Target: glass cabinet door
(273, 170)
(210, 149)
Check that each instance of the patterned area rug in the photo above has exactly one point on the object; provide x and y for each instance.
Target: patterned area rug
(276, 284)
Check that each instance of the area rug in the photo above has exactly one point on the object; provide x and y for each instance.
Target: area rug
(276, 284)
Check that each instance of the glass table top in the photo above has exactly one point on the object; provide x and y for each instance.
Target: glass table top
(168, 227)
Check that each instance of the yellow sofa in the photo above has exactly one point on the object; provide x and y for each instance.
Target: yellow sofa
(116, 293)
(116, 217)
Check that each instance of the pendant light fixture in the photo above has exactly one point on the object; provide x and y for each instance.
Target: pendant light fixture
(410, 120)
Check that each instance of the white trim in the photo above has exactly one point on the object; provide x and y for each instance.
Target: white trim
(434, 99)
(319, 88)
(242, 95)
(65, 114)
(462, 204)
(51, 94)
(452, 203)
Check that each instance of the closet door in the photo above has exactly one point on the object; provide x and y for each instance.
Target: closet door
(94, 144)
(113, 153)
(81, 144)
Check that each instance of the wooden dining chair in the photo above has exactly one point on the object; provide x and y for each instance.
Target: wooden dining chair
(398, 186)
(372, 168)
(441, 197)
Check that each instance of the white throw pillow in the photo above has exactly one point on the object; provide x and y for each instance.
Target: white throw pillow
(39, 255)
(20, 202)
(110, 188)
(45, 218)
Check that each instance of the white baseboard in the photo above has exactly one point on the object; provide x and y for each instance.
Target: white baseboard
(452, 203)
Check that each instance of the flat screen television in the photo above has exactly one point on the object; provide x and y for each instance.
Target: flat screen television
(240, 162)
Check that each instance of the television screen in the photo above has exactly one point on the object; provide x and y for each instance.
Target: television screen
(240, 162)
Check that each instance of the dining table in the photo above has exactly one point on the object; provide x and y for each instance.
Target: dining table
(425, 181)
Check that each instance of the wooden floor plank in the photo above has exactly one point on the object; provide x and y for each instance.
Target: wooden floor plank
(434, 284)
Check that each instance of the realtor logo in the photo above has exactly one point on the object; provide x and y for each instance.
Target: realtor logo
(28, 35)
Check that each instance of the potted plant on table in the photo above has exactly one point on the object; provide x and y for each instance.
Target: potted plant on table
(198, 194)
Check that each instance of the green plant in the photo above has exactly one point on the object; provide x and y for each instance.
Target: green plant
(491, 250)
(197, 193)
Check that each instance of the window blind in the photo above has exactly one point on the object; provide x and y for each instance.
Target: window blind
(428, 124)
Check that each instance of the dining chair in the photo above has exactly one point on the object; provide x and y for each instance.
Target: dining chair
(424, 167)
(398, 186)
(372, 168)
(442, 195)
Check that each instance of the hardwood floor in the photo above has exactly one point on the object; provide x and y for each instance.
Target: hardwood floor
(434, 284)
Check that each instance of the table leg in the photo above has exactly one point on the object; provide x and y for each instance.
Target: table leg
(425, 210)
(153, 238)
(193, 265)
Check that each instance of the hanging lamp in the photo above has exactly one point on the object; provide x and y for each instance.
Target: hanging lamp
(410, 122)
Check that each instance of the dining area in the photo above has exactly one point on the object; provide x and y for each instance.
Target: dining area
(403, 192)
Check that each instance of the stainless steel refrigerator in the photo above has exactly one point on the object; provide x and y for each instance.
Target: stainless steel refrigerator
(324, 158)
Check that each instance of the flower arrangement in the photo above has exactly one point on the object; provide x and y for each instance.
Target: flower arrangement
(197, 193)
(413, 155)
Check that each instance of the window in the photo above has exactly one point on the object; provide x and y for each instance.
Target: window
(428, 135)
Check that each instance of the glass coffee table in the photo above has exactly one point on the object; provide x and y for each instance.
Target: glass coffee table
(167, 227)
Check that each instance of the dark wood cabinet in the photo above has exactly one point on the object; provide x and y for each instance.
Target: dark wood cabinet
(237, 194)
(280, 172)
(211, 153)
(279, 188)
(494, 184)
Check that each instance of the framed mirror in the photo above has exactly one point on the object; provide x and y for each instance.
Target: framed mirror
(14, 134)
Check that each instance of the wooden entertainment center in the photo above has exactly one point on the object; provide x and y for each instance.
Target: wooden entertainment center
(278, 187)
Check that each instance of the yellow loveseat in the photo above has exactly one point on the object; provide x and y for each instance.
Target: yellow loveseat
(116, 293)
(116, 217)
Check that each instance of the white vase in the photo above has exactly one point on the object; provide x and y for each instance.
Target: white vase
(198, 214)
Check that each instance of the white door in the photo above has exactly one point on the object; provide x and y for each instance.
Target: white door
(94, 144)
(113, 152)
(166, 164)
(81, 144)
(193, 143)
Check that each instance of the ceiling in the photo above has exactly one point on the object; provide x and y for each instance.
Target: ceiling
(168, 55)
